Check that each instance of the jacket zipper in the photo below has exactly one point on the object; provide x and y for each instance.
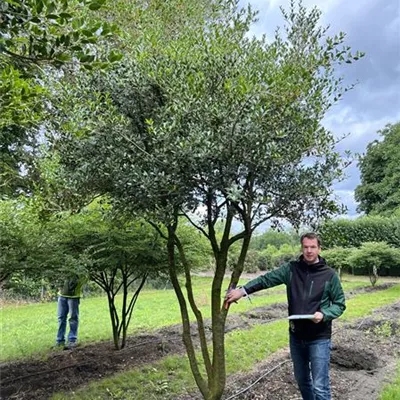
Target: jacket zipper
(305, 293)
(311, 286)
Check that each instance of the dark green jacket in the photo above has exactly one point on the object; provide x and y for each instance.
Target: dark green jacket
(73, 287)
(309, 288)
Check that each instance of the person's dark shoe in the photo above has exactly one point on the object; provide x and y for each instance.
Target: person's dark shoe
(70, 346)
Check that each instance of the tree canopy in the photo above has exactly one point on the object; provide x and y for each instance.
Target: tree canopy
(29, 246)
(35, 37)
(379, 191)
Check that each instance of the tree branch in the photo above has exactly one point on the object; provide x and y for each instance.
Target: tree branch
(187, 339)
(217, 211)
(237, 237)
(135, 297)
(195, 309)
(157, 228)
(210, 224)
(202, 230)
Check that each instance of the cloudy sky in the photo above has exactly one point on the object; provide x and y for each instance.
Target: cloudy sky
(372, 26)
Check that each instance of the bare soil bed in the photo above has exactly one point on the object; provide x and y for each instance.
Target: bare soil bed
(363, 357)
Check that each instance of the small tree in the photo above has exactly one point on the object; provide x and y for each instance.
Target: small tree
(338, 258)
(118, 256)
(374, 256)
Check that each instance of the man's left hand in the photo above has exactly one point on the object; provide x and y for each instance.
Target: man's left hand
(318, 317)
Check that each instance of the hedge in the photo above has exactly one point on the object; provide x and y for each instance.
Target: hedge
(352, 233)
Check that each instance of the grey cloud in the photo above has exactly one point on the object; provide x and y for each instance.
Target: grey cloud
(346, 197)
(352, 179)
(372, 26)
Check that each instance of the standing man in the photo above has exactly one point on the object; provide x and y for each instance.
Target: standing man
(68, 302)
(312, 289)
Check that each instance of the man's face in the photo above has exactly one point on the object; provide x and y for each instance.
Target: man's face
(310, 250)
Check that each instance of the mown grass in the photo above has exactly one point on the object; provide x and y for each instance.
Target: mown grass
(363, 305)
(167, 378)
(29, 330)
(392, 390)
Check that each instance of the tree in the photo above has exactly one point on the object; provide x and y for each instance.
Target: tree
(116, 254)
(35, 36)
(25, 243)
(379, 191)
(374, 256)
(216, 125)
(338, 258)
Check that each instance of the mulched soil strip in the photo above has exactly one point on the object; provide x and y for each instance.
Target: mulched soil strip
(361, 361)
(66, 370)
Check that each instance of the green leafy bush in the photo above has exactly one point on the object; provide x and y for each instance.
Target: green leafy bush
(374, 257)
(264, 261)
(274, 238)
(338, 258)
(251, 264)
(352, 233)
(284, 254)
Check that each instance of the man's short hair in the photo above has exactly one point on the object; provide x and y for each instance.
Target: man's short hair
(310, 235)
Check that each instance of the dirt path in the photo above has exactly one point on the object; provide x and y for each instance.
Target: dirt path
(360, 360)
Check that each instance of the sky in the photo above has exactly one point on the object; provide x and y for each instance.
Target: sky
(372, 26)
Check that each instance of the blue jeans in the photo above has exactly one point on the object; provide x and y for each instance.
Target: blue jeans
(67, 305)
(311, 367)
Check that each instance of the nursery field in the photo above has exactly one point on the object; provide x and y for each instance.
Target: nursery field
(365, 354)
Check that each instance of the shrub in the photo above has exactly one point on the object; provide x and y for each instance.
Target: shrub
(252, 260)
(264, 261)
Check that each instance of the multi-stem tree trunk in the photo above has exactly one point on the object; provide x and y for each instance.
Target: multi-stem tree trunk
(120, 320)
(373, 275)
(212, 355)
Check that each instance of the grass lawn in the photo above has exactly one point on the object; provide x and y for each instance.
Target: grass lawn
(166, 378)
(363, 305)
(392, 390)
(30, 329)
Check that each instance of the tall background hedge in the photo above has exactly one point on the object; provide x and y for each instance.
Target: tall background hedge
(353, 233)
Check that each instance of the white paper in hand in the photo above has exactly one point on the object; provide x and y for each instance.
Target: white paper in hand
(301, 316)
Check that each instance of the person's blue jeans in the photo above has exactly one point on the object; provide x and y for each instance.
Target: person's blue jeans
(311, 367)
(67, 305)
